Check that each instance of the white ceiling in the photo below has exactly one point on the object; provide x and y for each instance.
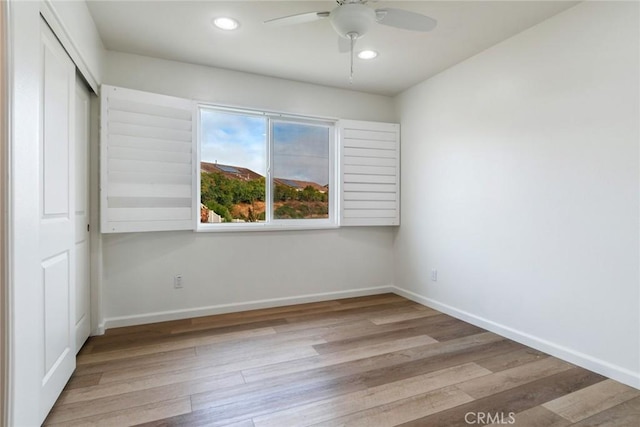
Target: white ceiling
(182, 31)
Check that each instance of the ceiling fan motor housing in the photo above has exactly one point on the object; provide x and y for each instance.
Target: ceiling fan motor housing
(352, 18)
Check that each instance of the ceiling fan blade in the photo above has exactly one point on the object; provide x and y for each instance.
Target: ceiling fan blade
(344, 45)
(300, 18)
(405, 19)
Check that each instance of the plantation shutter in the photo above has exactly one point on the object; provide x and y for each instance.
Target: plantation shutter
(370, 173)
(147, 142)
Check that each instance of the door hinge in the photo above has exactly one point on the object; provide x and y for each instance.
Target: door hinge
(88, 227)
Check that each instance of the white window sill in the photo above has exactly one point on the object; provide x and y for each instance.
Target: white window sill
(285, 226)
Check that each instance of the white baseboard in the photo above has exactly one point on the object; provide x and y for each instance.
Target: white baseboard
(602, 367)
(99, 330)
(141, 319)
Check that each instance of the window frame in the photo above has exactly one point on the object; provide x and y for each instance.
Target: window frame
(270, 223)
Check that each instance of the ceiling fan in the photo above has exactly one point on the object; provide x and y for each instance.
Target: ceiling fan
(352, 19)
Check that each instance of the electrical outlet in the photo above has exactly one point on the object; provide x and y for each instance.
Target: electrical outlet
(434, 275)
(177, 281)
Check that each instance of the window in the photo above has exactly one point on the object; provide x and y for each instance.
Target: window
(261, 170)
(168, 163)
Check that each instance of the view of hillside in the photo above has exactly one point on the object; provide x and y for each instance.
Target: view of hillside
(237, 194)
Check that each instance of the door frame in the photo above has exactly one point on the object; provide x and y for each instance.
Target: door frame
(82, 89)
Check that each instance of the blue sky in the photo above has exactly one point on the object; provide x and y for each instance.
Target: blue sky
(234, 139)
(300, 151)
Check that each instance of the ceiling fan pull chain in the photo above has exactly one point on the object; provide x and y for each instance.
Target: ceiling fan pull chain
(352, 37)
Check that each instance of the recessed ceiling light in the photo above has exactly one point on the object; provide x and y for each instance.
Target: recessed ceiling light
(226, 23)
(367, 54)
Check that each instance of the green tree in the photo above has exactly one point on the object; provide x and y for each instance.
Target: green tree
(221, 193)
(221, 210)
(284, 193)
(310, 194)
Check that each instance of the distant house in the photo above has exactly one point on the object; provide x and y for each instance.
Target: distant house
(301, 185)
(234, 172)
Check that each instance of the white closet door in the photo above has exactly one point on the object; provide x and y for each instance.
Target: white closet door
(83, 295)
(57, 219)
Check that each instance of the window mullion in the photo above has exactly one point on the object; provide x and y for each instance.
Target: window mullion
(269, 180)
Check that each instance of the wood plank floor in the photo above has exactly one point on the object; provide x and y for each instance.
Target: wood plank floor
(371, 361)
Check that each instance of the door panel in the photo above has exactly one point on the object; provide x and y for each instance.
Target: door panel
(82, 319)
(55, 273)
(57, 217)
(55, 149)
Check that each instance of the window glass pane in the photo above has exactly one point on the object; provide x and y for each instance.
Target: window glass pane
(233, 167)
(300, 171)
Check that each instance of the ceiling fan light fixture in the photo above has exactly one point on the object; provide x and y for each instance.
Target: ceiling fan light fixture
(367, 54)
(225, 23)
(355, 18)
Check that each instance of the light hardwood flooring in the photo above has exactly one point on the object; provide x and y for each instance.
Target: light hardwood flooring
(371, 361)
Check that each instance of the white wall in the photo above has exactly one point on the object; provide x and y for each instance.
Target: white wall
(520, 185)
(247, 90)
(235, 271)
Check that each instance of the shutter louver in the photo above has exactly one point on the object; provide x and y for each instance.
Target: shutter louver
(370, 173)
(146, 161)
